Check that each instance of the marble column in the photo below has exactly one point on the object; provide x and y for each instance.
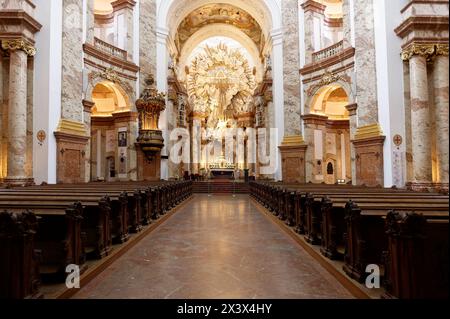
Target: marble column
(17, 129)
(291, 52)
(352, 110)
(72, 53)
(4, 103)
(147, 40)
(347, 23)
(90, 21)
(420, 121)
(2, 112)
(365, 63)
(309, 155)
(312, 11)
(126, 8)
(441, 88)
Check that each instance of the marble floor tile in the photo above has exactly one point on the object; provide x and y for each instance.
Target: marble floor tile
(216, 247)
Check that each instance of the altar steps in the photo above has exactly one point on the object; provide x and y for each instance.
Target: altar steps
(220, 187)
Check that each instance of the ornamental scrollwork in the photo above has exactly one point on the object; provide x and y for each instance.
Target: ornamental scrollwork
(427, 50)
(19, 44)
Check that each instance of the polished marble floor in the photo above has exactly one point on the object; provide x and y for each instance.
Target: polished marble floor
(216, 247)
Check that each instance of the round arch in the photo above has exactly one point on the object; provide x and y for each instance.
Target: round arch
(227, 31)
(266, 12)
(116, 92)
(311, 96)
(320, 101)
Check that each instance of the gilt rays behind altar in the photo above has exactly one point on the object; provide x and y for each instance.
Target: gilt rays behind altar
(221, 85)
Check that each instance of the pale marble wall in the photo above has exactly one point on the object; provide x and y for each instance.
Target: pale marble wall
(72, 52)
(365, 68)
(147, 28)
(291, 57)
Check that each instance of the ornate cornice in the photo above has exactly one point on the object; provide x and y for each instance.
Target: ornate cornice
(314, 6)
(411, 24)
(352, 108)
(334, 22)
(104, 18)
(427, 50)
(19, 20)
(88, 105)
(19, 44)
(123, 4)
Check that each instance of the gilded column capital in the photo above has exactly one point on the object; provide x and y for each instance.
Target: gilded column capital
(442, 49)
(425, 50)
(19, 44)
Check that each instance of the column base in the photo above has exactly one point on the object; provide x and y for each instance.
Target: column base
(428, 187)
(71, 142)
(18, 181)
(293, 152)
(368, 144)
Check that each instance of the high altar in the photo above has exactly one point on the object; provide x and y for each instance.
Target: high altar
(221, 95)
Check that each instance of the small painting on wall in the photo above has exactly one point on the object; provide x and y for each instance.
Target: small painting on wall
(122, 139)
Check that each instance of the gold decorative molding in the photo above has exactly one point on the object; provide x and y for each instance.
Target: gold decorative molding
(327, 79)
(369, 131)
(72, 128)
(290, 140)
(427, 50)
(442, 49)
(19, 44)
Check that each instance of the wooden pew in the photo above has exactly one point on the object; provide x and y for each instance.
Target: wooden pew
(118, 203)
(417, 260)
(325, 215)
(19, 274)
(63, 233)
(96, 211)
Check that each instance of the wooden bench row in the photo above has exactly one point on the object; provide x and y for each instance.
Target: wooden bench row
(366, 226)
(73, 223)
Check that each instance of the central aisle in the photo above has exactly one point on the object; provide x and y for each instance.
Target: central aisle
(216, 247)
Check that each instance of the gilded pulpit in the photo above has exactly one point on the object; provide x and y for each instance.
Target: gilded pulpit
(150, 141)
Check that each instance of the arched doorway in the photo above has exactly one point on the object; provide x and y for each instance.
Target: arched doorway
(203, 33)
(329, 123)
(112, 130)
(189, 25)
